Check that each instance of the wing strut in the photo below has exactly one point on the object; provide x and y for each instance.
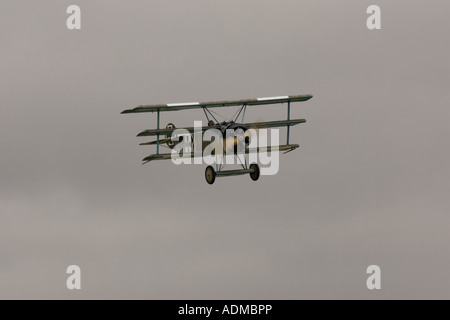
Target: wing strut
(243, 115)
(239, 113)
(204, 108)
(288, 118)
(157, 137)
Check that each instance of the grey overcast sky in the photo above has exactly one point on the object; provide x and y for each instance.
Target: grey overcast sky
(369, 185)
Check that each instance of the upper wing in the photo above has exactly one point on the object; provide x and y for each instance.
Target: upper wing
(218, 104)
(256, 125)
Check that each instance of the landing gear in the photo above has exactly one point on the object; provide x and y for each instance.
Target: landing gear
(255, 174)
(210, 175)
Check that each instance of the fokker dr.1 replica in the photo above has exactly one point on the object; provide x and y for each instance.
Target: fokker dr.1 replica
(210, 174)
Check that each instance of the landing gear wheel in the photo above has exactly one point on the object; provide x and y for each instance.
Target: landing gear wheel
(210, 175)
(256, 172)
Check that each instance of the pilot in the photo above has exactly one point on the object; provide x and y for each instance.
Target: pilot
(210, 123)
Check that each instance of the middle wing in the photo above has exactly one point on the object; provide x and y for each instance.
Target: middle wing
(254, 125)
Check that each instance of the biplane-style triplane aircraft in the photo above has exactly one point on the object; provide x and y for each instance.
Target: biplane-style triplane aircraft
(164, 136)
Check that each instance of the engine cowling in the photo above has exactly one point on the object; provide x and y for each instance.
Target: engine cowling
(244, 137)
